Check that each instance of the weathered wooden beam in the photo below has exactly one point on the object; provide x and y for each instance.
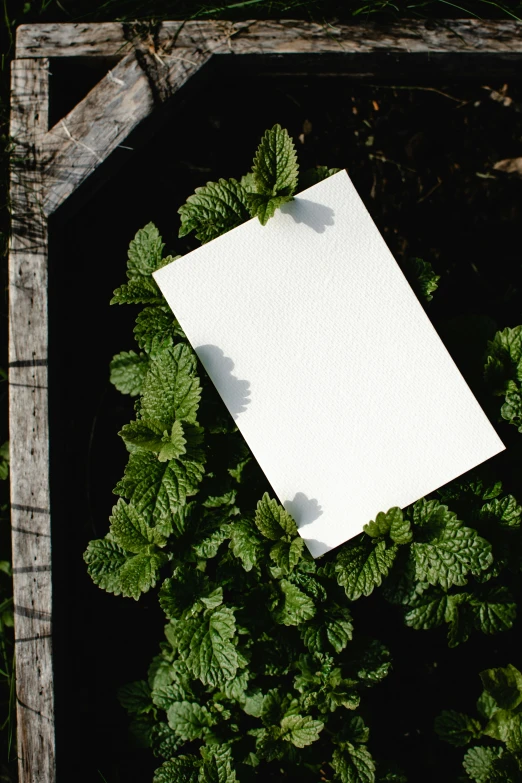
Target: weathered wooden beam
(83, 139)
(28, 427)
(113, 39)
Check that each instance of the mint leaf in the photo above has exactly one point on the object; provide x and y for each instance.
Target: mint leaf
(160, 489)
(503, 362)
(144, 433)
(421, 277)
(214, 209)
(300, 730)
(206, 647)
(511, 411)
(189, 720)
(273, 521)
(104, 560)
(504, 685)
(171, 389)
(217, 765)
(142, 290)
(296, 606)
(450, 550)
(275, 166)
(183, 769)
(130, 530)
(140, 573)
(128, 370)
(391, 523)
(480, 764)
(156, 329)
(145, 252)
(245, 543)
(353, 764)
(287, 554)
(505, 511)
(264, 207)
(360, 566)
(456, 728)
(495, 611)
(135, 697)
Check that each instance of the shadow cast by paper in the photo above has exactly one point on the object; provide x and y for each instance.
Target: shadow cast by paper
(303, 509)
(315, 216)
(235, 392)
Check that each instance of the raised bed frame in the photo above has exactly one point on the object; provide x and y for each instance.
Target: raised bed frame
(151, 62)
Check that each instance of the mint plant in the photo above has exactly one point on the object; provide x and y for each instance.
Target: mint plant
(261, 673)
(498, 728)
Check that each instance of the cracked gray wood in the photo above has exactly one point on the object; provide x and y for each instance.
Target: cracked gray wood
(112, 39)
(28, 427)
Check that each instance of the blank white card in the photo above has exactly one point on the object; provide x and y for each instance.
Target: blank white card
(321, 351)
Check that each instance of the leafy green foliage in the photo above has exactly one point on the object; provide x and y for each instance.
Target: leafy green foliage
(503, 372)
(128, 371)
(422, 278)
(262, 673)
(214, 209)
(500, 710)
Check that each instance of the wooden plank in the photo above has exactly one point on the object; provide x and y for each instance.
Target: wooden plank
(28, 427)
(113, 39)
(83, 139)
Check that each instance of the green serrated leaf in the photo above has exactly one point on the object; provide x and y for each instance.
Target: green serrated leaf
(272, 520)
(275, 166)
(450, 550)
(160, 489)
(421, 277)
(495, 610)
(245, 543)
(353, 764)
(391, 523)
(504, 685)
(128, 370)
(183, 769)
(511, 411)
(361, 566)
(206, 647)
(214, 209)
(104, 560)
(145, 252)
(287, 554)
(503, 362)
(140, 573)
(171, 389)
(479, 763)
(264, 207)
(189, 720)
(456, 728)
(144, 433)
(300, 730)
(505, 511)
(142, 290)
(130, 530)
(217, 765)
(135, 697)
(297, 607)
(155, 330)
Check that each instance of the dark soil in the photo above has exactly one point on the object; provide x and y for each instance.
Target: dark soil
(422, 159)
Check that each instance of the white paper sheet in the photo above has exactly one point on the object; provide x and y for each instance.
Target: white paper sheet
(321, 351)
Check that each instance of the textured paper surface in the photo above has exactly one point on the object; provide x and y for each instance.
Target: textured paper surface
(321, 351)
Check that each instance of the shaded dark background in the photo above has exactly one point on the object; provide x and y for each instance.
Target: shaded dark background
(421, 155)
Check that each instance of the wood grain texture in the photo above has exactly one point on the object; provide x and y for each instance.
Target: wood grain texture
(113, 39)
(105, 117)
(28, 425)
